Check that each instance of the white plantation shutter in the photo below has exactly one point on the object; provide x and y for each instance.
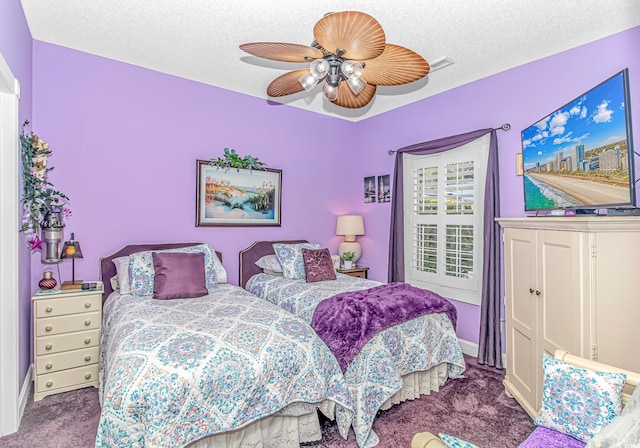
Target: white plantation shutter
(443, 220)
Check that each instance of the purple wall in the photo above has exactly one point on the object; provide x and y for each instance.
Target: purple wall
(125, 141)
(519, 96)
(16, 47)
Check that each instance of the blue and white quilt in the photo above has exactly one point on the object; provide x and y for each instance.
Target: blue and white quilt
(375, 374)
(175, 371)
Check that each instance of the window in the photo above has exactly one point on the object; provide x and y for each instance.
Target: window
(443, 203)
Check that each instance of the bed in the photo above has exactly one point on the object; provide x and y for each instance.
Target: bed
(398, 364)
(219, 369)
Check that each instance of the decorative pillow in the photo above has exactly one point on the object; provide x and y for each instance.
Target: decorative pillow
(178, 275)
(578, 402)
(624, 431)
(454, 442)
(290, 258)
(124, 279)
(269, 262)
(318, 265)
(114, 283)
(141, 269)
(274, 273)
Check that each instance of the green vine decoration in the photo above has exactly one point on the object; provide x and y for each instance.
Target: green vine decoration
(38, 198)
(231, 159)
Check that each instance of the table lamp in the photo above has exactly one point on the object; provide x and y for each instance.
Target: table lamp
(349, 226)
(71, 249)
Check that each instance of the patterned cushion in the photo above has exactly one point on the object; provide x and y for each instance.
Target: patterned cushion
(290, 258)
(142, 273)
(178, 275)
(576, 401)
(318, 265)
(454, 442)
(269, 262)
(122, 269)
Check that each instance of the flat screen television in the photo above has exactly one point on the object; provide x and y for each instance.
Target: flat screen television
(581, 155)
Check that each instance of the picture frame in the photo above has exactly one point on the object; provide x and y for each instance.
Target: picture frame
(369, 189)
(384, 188)
(237, 197)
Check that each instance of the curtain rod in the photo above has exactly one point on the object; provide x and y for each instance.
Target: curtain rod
(504, 127)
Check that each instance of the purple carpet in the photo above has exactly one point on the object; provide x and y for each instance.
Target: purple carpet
(474, 408)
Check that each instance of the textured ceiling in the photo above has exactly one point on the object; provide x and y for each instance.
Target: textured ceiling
(199, 39)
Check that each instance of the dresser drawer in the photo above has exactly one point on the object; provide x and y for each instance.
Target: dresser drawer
(67, 324)
(66, 360)
(71, 341)
(66, 378)
(68, 305)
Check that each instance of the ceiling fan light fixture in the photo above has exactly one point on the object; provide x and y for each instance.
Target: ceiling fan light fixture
(356, 84)
(330, 92)
(319, 68)
(308, 81)
(351, 68)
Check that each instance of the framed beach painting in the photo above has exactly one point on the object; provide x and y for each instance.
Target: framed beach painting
(237, 197)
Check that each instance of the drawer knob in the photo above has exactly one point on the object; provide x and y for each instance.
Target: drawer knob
(87, 322)
(87, 358)
(87, 304)
(87, 376)
(49, 383)
(48, 347)
(48, 366)
(87, 341)
(530, 290)
(48, 309)
(48, 328)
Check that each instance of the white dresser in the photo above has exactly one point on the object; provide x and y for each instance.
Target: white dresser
(570, 284)
(66, 329)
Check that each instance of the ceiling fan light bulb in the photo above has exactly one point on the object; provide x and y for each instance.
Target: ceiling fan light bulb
(308, 81)
(330, 92)
(351, 69)
(356, 84)
(319, 68)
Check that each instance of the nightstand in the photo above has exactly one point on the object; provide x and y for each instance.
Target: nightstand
(355, 272)
(66, 328)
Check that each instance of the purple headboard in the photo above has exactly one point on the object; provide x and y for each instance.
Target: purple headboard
(253, 253)
(108, 269)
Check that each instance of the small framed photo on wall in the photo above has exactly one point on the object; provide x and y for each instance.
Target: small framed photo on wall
(384, 188)
(369, 189)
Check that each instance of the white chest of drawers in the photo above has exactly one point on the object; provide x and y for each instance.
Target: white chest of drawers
(66, 329)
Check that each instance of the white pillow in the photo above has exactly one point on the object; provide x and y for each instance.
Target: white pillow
(290, 257)
(114, 283)
(122, 269)
(270, 263)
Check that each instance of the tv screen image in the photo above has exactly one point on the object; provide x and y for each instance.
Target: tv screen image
(581, 155)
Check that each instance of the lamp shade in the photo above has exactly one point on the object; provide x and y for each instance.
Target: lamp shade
(350, 225)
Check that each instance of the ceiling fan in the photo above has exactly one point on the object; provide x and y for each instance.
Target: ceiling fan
(348, 46)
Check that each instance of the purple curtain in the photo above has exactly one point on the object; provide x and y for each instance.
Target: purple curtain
(490, 347)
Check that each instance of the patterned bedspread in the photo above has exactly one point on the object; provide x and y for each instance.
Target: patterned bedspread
(375, 373)
(175, 371)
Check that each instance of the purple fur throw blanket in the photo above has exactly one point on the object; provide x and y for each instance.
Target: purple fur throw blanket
(347, 321)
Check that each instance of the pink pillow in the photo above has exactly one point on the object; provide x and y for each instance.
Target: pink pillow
(178, 275)
(318, 265)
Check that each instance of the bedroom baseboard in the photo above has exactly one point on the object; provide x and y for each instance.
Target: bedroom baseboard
(25, 392)
(471, 349)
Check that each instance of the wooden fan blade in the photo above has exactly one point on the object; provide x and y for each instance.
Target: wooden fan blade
(346, 98)
(279, 51)
(359, 34)
(396, 65)
(287, 84)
